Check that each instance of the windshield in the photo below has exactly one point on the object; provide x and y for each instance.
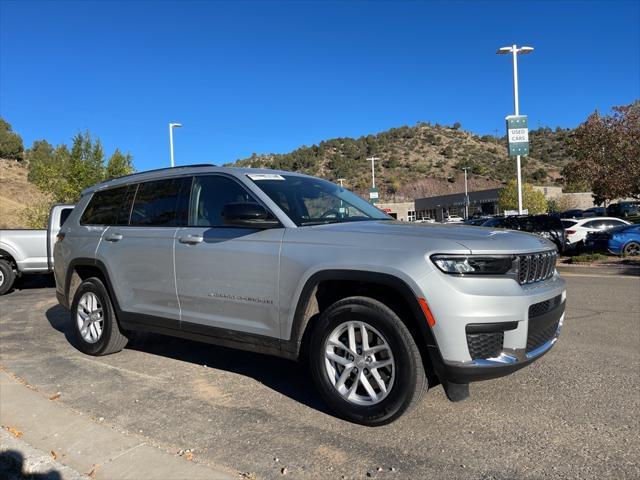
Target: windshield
(311, 201)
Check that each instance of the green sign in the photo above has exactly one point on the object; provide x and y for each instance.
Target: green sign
(518, 134)
(373, 195)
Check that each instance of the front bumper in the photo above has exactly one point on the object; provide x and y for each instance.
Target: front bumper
(510, 360)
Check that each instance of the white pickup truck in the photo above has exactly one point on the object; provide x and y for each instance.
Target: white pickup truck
(29, 251)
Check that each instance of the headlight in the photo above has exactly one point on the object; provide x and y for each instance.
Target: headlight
(476, 265)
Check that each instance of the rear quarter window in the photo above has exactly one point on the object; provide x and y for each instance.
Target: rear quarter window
(104, 207)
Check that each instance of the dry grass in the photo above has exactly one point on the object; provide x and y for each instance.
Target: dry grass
(16, 194)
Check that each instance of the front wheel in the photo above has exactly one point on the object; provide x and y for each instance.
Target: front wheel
(94, 321)
(365, 362)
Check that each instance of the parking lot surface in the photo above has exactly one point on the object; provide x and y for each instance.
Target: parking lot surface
(573, 414)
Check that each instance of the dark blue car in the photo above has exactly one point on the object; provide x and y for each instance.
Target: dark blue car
(623, 240)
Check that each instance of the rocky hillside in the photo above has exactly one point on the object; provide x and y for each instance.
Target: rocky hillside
(16, 194)
(423, 160)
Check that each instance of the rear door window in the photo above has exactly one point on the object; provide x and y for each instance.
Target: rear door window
(161, 203)
(104, 207)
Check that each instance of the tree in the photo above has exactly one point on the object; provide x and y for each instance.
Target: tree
(11, 145)
(39, 157)
(457, 125)
(532, 200)
(119, 165)
(607, 154)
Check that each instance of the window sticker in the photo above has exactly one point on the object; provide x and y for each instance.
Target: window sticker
(264, 176)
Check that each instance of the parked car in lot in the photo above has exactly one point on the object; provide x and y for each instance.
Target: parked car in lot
(295, 266)
(476, 221)
(624, 209)
(595, 212)
(573, 213)
(622, 240)
(577, 229)
(547, 226)
(29, 251)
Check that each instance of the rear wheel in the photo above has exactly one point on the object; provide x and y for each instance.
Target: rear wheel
(94, 321)
(7, 277)
(632, 249)
(365, 362)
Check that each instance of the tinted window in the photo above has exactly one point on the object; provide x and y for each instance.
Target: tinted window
(209, 195)
(64, 214)
(568, 223)
(158, 204)
(595, 224)
(104, 206)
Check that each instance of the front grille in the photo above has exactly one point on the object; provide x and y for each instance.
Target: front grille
(535, 267)
(485, 345)
(541, 308)
(539, 338)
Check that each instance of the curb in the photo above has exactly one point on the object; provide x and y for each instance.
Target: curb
(93, 449)
(627, 270)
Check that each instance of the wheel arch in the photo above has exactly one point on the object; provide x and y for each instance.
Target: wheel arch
(80, 269)
(390, 289)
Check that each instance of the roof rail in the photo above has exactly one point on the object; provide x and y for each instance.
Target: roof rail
(160, 170)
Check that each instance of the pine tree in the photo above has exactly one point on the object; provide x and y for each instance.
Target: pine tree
(119, 165)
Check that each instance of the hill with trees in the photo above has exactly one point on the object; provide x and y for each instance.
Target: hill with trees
(424, 160)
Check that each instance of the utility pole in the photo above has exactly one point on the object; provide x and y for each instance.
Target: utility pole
(514, 50)
(171, 127)
(466, 195)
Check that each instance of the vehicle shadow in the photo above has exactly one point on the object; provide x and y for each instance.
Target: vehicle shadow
(12, 468)
(30, 282)
(284, 376)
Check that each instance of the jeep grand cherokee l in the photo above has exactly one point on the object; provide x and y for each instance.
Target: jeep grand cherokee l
(295, 266)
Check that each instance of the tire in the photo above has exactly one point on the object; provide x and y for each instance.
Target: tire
(632, 249)
(105, 337)
(405, 385)
(7, 277)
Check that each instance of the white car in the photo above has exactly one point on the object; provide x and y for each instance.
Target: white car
(453, 219)
(577, 228)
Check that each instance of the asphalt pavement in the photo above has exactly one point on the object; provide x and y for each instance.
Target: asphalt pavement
(573, 414)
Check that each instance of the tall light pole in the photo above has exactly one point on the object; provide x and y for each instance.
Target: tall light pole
(514, 50)
(373, 171)
(466, 195)
(171, 127)
(341, 180)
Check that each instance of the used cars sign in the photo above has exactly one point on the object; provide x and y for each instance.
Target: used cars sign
(518, 134)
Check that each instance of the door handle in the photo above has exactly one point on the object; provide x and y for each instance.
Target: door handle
(191, 239)
(113, 237)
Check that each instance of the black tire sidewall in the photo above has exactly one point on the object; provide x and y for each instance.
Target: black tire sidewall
(95, 286)
(9, 277)
(404, 384)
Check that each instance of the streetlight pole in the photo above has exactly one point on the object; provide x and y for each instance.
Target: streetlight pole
(171, 127)
(341, 180)
(514, 50)
(373, 171)
(466, 195)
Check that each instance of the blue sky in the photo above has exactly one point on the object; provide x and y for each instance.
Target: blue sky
(265, 76)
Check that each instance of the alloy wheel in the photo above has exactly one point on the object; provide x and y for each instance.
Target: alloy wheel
(359, 363)
(90, 317)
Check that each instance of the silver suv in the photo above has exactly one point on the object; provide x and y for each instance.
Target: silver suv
(291, 265)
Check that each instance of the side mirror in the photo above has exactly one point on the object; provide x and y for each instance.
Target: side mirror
(250, 215)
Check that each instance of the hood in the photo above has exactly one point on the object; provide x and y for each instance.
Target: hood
(476, 239)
